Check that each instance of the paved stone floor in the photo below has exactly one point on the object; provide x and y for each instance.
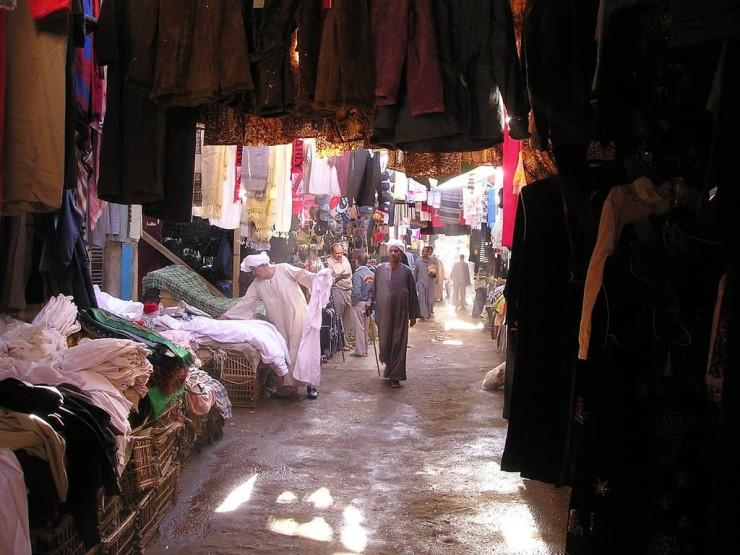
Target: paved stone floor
(371, 469)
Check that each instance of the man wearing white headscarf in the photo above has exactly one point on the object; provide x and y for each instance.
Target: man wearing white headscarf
(278, 287)
(400, 245)
(396, 309)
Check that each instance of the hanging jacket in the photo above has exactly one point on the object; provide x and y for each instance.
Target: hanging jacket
(479, 61)
(345, 73)
(269, 34)
(405, 45)
(190, 53)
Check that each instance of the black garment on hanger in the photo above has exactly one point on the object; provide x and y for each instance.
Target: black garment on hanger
(540, 301)
(71, 266)
(371, 183)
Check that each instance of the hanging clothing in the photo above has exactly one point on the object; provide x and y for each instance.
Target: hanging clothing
(148, 151)
(478, 54)
(230, 211)
(190, 53)
(322, 174)
(269, 35)
(71, 266)
(283, 187)
(371, 184)
(345, 72)
(307, 366)
(34, 127)
(405, 45)
(624, 205)
(357, 165)
(555, 79)
(396, 302)
(539, 300)
(254, 167)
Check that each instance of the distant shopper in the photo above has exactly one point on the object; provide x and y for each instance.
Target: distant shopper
(396, 309)
(278, 287)
(460, 280)
(425, 274)
(362, 286)
(341, 291)
(439, 277)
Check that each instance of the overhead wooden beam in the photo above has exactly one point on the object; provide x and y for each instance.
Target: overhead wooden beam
(164, 251)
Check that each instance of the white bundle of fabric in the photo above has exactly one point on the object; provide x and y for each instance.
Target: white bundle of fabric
(495, 378)
(37, 372)
(24, 341)
(122, 361)
(261, 335)
(125, 309)
(59, 313)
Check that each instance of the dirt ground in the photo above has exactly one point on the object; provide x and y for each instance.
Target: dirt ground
(371, 469)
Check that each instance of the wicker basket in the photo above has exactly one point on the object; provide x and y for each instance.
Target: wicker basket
(166, 447)
(109, 511)
(141, 472)
(60, 540)
(121, 541)
(240, 380)
(147, 519)
(166, 492)
(174, 413)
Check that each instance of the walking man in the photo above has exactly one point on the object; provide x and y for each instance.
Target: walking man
(460, 280)
(362, 285)
(439, 278)
(278, 287)
(341, 290)
(425, 273)
(396, 309)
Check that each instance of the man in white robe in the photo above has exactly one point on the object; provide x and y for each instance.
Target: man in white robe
(278, 287)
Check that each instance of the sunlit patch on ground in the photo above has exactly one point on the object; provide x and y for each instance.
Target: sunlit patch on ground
(452, 342)
(321, 498)
(354, 536)
(455, 324)
(317, 529)
(520, 532)
(238, 496)
(287, 497)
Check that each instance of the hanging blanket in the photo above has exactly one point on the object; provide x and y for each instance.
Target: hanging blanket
(186, 285)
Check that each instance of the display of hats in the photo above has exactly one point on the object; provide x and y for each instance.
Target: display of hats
(323, 214)
(343, 205)
(313, 212)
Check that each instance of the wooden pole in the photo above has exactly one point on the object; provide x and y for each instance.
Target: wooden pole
(236, 262)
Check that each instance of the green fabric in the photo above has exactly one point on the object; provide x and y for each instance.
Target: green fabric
(151, 338)
(159, 402)
(186, 285)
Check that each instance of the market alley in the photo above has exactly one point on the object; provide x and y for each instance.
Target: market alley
(371, 469)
